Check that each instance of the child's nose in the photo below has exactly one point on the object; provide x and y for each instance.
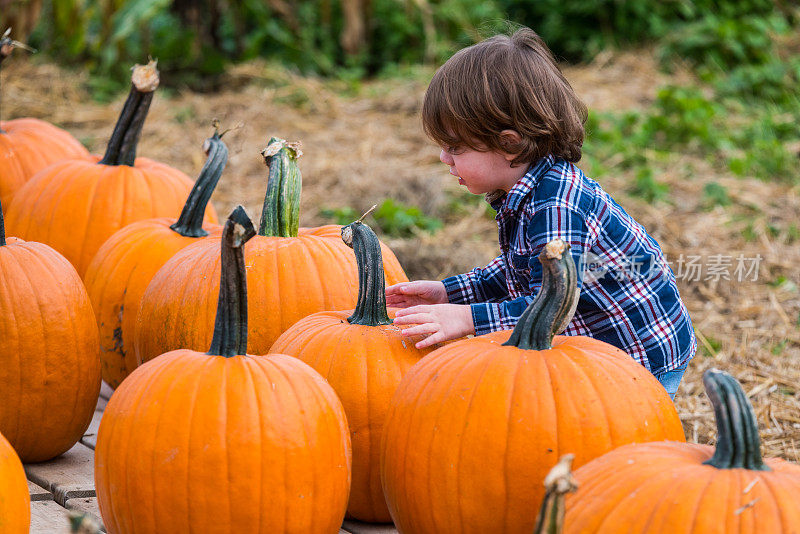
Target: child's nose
(446, 158)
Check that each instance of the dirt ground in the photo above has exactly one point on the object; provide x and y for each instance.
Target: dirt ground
(365, 144)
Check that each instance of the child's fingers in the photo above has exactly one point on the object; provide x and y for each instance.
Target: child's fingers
(432, 339)
(411, 310)
(415, 319)
(400, 301)
(395, 289)
(426, 328)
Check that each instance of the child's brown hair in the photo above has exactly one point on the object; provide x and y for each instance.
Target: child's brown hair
(505, 82)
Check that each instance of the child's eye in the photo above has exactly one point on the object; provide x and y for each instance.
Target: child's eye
(453, 149)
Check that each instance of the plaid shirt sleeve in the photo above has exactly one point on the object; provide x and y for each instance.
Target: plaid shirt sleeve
(482, 284)
(547, 223)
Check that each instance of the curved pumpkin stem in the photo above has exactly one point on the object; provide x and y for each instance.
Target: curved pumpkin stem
(280, 216)
(121, 148)
(371, 307)
(738, 443)
(558, 482)
(230, 325)
(552, 309)
(190, 223)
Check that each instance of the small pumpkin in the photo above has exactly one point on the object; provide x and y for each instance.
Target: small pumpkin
(265, 435)
(15, 502)
(668, 487)
(49, 350)
(128, 260)
(474, 422)
(29, 145)
(291, 274)
(363, 356)
(75, 205)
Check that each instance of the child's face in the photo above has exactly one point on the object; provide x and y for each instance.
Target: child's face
(482, 172)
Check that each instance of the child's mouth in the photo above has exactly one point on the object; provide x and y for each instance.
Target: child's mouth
(461, 181)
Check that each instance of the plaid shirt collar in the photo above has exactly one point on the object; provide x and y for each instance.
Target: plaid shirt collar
(502, 201)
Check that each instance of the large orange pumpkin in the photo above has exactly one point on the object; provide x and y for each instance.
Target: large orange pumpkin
(290, 274)
(669, 487)
(29, 145)
(49, 352)
(128, 260)
(224, 441)
(475, 424)
(15, 502)
(363, 356)
(75, 205)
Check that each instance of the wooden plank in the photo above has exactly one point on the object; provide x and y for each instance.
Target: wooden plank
(67, 476)
(101, 403)
(87, 505)
(105, 391)
(47, 517)
(38, 493)
(90, 436)
(357, 527)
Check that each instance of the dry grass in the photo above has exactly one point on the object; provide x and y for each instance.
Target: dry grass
(364, 148)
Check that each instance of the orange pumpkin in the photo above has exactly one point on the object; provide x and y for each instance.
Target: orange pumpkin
(15, 502)
(29, 145)
(668, 487)
(265, 435)
(291, 274)
(363, 356)
(75, 205)
(49, 351)
(476, 423)
(128, 260)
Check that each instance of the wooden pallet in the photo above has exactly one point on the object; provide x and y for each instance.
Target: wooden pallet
(67, 483)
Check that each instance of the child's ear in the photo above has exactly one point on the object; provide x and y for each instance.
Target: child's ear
(510, 141)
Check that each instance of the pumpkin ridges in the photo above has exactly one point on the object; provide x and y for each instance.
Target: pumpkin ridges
(67, 191)
(413, 518)
(59, 344)
(82, 382)
(622, 472)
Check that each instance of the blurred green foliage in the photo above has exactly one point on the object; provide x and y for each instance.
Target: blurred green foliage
(109, 35)
(394, 219)
(742, 115)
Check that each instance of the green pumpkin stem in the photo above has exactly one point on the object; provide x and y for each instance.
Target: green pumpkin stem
(2, 228)
(558, 482)
(7, 45)
(190, 223)
(230, 325)
(738, 442)
(280, 216)
(121, 148)
(553, 307)
(371, 307)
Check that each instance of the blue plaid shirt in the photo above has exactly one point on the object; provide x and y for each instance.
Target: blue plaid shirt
(628, 295)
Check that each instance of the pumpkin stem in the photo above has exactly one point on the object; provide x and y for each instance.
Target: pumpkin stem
(557, 484)
(121, 148)
(552, 309)
(371, 307)
(230, 326)
(190, 223)
(738, 443)
(280, 216)
(2, 228)
(7, 45)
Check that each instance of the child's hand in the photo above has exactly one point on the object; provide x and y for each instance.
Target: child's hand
(407, 294)
(441, 322)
